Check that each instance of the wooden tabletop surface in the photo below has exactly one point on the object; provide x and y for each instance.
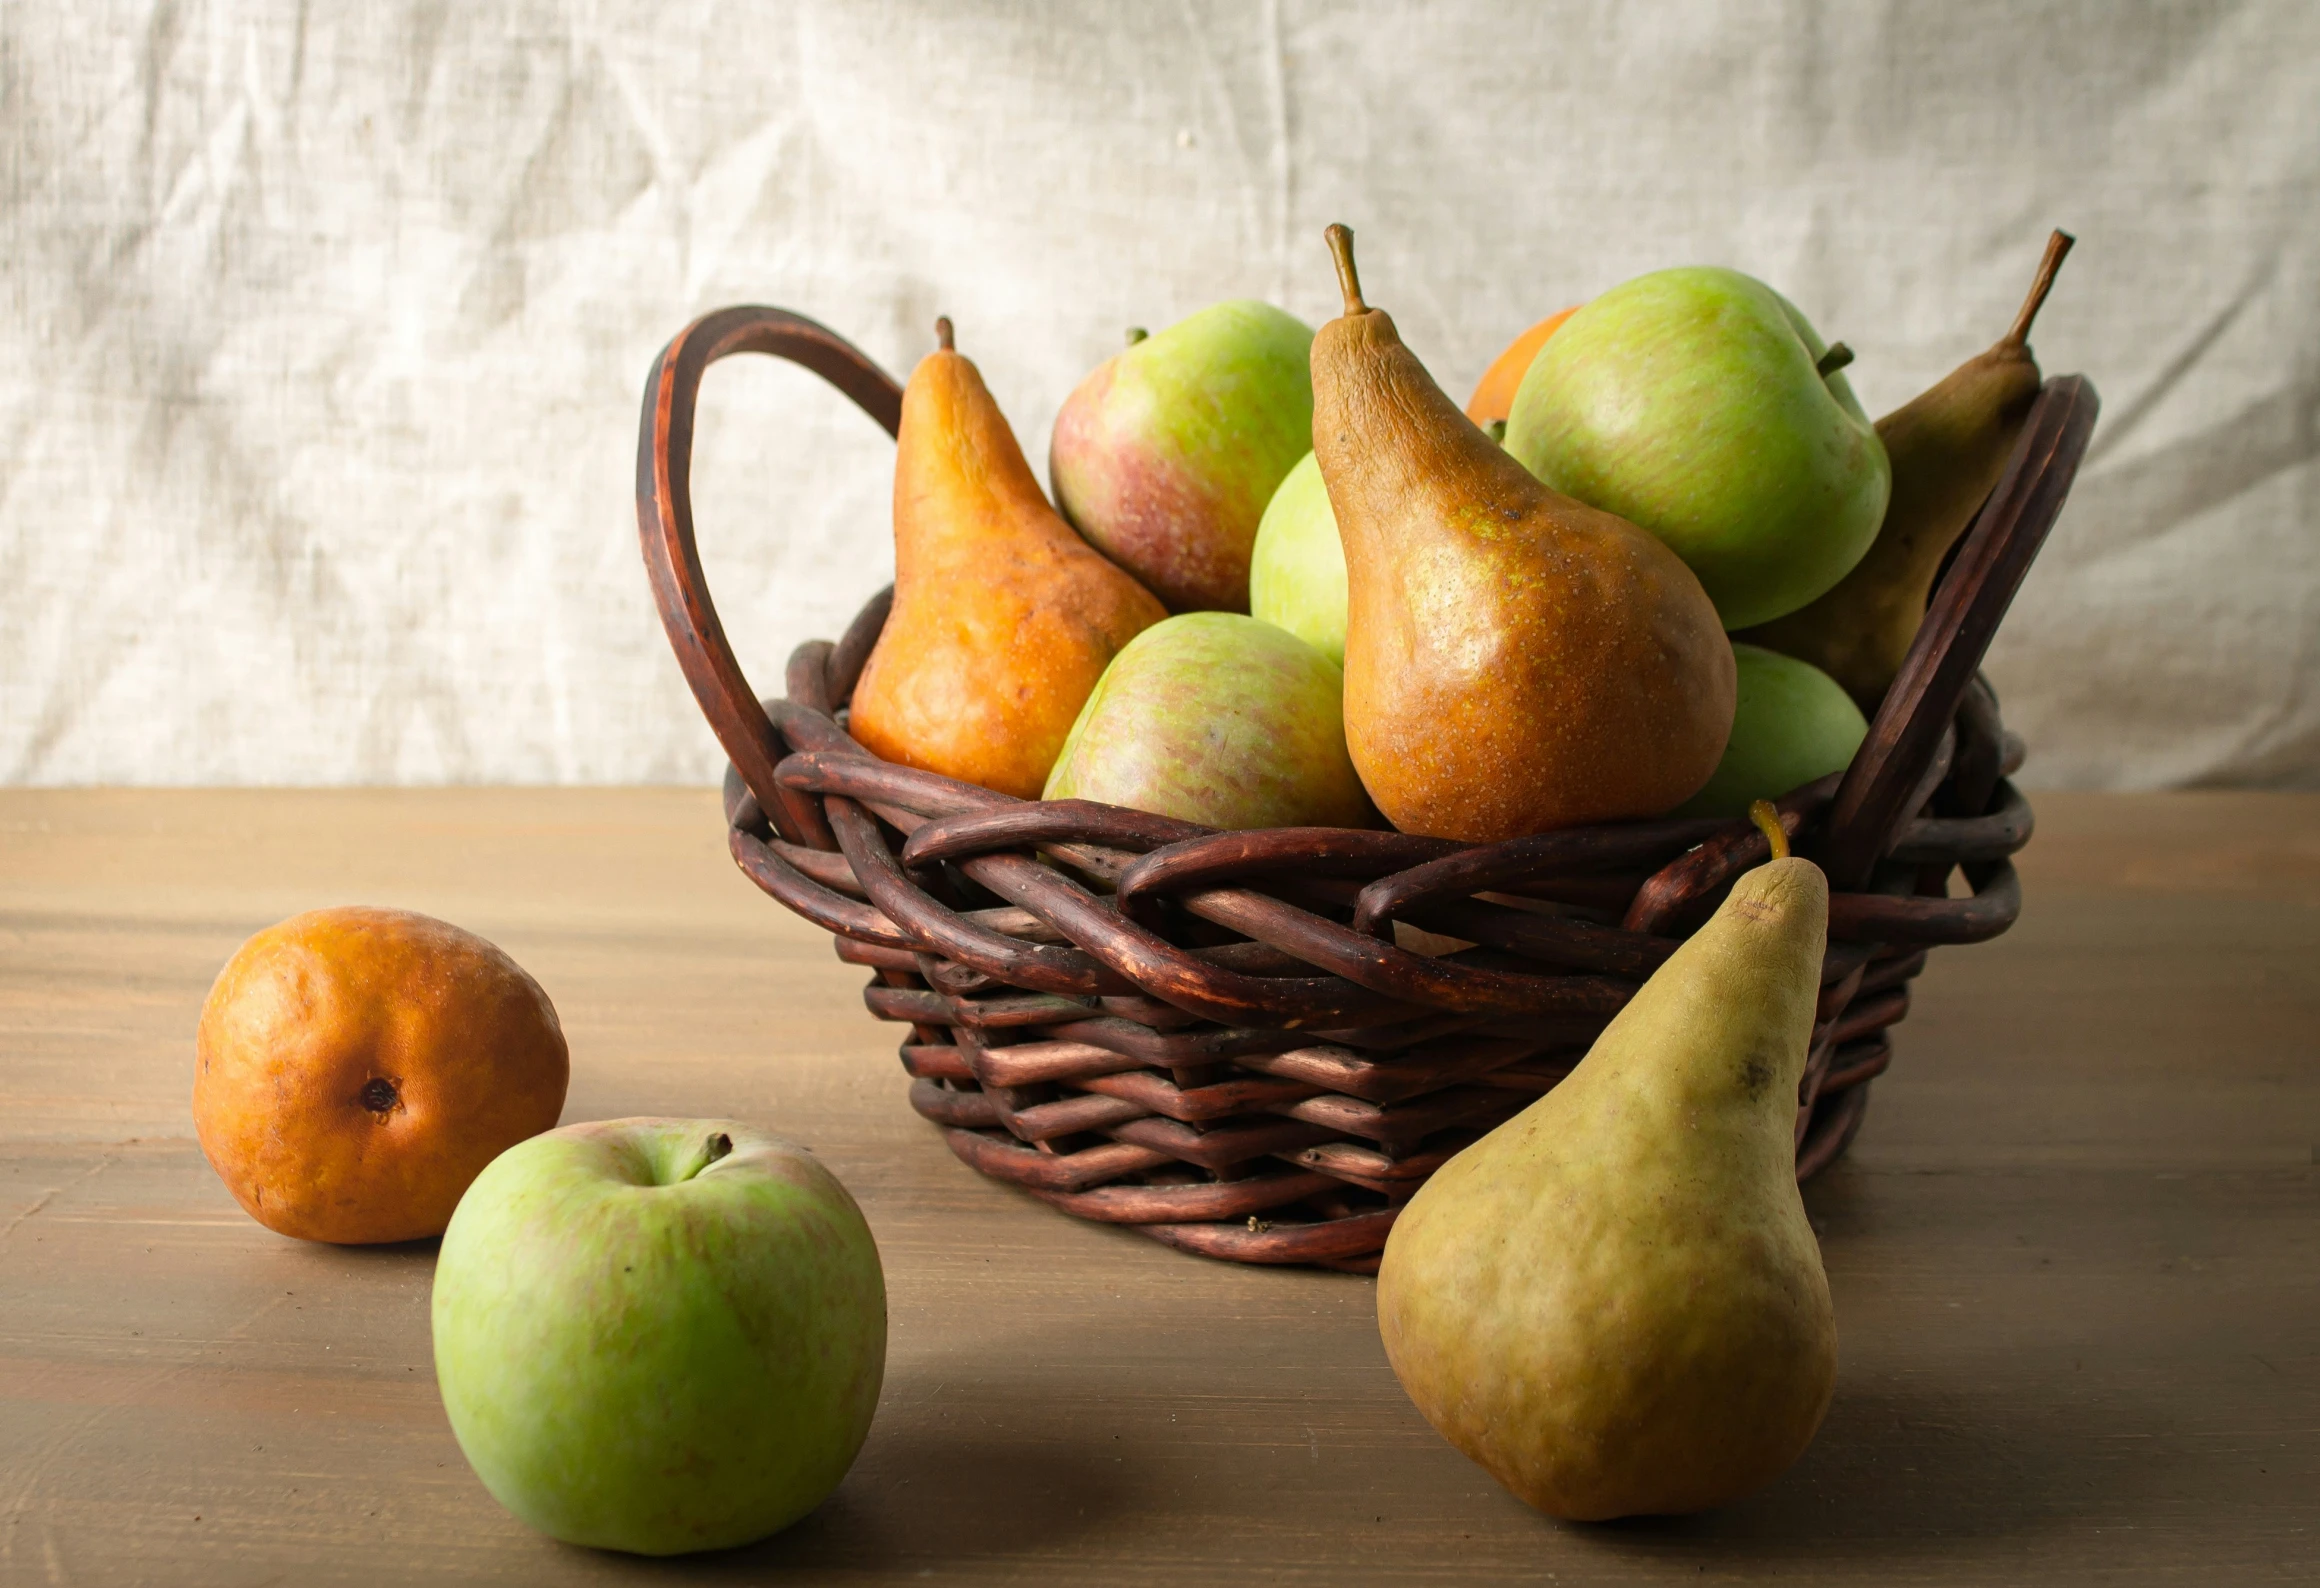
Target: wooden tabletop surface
(2075, 1252)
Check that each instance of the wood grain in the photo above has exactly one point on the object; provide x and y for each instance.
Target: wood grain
(2076, 1249)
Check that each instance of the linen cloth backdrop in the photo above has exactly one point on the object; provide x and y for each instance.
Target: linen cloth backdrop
(325, 325)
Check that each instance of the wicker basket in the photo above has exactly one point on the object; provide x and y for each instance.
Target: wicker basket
(1257, 1045)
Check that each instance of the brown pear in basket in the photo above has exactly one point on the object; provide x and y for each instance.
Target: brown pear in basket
(1515, 660)
(1003, 617)
(1948, 445)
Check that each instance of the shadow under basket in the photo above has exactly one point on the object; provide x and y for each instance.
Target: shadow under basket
(1257, 1045)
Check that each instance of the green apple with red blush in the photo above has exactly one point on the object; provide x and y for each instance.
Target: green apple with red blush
(1217, 718)
(1165, 456)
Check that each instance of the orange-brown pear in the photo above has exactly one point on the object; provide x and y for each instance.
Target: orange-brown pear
(1948, 445)
(1515, 660)
(1003, 617)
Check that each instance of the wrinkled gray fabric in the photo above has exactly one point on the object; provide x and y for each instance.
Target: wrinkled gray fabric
(325, 326)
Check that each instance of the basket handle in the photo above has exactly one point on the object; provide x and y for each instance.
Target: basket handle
(1871, 803)
(664, 505)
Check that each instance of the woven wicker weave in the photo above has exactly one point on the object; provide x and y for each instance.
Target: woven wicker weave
(1256, 1045)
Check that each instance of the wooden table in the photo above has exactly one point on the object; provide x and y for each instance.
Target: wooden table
(2076, 1251)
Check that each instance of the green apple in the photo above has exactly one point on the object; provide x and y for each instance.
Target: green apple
(1793, 723)
(1217, 718)
(1297, 573)
(1696, 403)
(659, 1335)
(1165, 456)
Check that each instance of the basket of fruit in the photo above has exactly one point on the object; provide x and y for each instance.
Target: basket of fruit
(1233, 929)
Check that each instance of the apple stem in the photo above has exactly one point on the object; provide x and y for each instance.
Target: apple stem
(1767, 819)
(942, 334)
(2057, 247)
(1136, 333)
(683, 1162)
(1340, 238)
(1496, 430)
(1836, 358)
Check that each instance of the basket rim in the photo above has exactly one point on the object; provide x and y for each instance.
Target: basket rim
(1096, 945)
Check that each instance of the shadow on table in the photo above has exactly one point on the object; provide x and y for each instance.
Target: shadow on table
(1901, 1472)
(957, 1484)
(1918, 1465)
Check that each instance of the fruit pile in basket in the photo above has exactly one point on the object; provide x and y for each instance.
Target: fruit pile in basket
(1473, 625)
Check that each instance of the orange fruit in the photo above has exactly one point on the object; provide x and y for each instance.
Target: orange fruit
(1494, 394)
(356, 1068)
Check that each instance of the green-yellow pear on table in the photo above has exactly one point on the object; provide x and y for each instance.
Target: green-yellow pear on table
(1614, 1302)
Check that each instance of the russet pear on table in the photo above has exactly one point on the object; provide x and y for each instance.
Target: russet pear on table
(1003, 618)
(1515, 660)
(1614, 1301)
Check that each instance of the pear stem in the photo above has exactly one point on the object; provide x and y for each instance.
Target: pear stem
(942, 334)
(2057, 246)
(1836, 358)
(1767, 820)
(1340, 237)
(1136, 333)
